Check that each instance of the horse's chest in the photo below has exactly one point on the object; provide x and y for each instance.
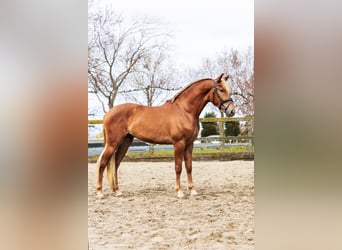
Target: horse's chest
(183, 130)
(196, 130)
(192, 131)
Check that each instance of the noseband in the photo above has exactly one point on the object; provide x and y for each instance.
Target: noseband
(222, 101)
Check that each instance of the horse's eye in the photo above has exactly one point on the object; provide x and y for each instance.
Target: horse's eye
(222, 90)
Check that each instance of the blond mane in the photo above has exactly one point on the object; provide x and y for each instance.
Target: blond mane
(185, 88)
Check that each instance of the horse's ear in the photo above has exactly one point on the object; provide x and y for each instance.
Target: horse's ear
(226, 77)
(218, 79)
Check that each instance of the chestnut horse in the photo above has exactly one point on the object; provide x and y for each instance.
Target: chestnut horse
(175, 122)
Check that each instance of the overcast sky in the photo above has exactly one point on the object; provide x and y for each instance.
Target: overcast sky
(200, 28)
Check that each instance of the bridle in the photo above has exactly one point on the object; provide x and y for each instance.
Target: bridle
(222, 101)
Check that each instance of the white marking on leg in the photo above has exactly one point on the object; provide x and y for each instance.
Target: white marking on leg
(193, 192)
(180, 194)
(118, 193)
(99, 195)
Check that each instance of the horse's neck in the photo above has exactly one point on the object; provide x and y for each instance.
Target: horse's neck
(194, 99)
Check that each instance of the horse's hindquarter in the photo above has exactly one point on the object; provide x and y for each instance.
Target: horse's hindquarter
(164, 124)
(115, 122)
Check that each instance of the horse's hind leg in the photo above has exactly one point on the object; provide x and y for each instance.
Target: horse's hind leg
(101, 165)
(110, 172)
(119, 155)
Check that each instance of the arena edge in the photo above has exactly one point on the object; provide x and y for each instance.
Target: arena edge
(219, 156)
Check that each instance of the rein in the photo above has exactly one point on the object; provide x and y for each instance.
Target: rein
(222, 101)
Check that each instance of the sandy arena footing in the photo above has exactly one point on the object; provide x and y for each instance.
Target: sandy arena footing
(149, 215)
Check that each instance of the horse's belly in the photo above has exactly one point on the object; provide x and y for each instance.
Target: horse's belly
(151, 132)
(155, 140)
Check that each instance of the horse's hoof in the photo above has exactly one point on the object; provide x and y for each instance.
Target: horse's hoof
(118, 193)
(180, 194)
(193, 192)
(99, 195)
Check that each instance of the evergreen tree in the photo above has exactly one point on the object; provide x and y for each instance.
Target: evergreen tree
(209, 128)
(232, 128)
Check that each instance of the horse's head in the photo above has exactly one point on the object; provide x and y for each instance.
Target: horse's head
(221, 97)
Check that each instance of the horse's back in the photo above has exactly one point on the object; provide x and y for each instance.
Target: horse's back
(132, 109)
(122, 110)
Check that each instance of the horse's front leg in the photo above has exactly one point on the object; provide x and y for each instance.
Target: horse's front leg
(179, 154)
(188, 166)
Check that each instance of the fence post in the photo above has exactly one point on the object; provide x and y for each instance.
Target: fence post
(221, 131)
(151, 149)
(250, 131)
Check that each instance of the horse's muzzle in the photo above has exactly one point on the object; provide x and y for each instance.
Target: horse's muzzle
(230, 110)
(230, 113)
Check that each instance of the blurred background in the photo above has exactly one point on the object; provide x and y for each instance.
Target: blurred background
(297, 163)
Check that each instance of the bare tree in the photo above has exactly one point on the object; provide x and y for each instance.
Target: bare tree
(240, 67)
(115, 49)
(242, 71)
(153, 80)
